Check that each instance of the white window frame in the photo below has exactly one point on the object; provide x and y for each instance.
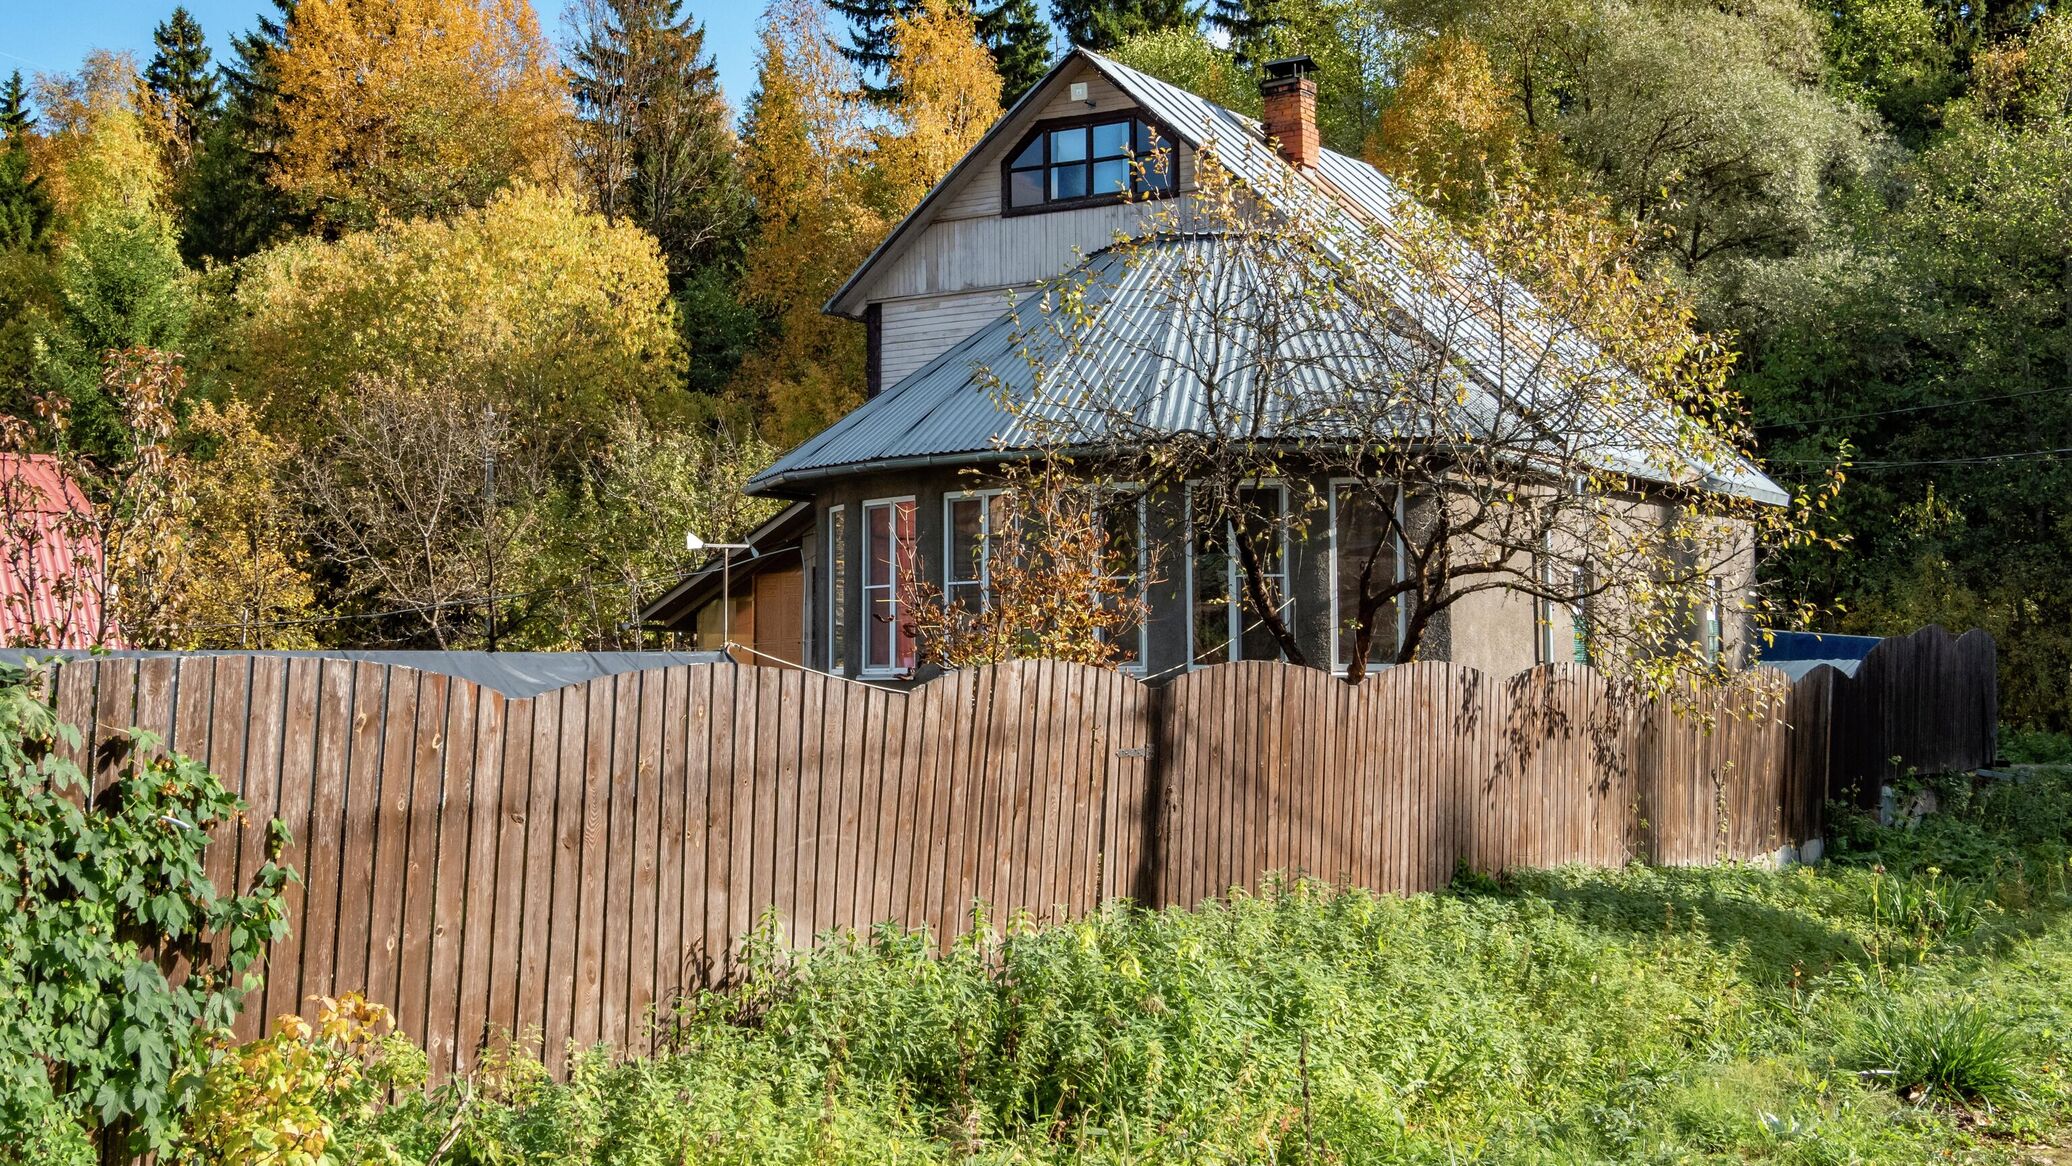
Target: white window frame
(837, 586)
(1714, 630)
(864, 592)
(1339, 666)
(1136, 667)
(949, 544)
(1234, 605)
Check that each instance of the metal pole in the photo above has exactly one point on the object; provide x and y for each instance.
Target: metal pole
(726, 601)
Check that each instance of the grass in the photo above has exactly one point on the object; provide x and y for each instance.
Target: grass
(1904, 1002)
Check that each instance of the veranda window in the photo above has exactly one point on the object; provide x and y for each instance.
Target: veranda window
(888, 564)
(1225, 626)
(1362, 543)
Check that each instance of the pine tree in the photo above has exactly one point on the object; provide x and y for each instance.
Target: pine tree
(1102, 24)
(870, 41)
(228, 207)
(1015, 32)
(179, 77)
(25, 208)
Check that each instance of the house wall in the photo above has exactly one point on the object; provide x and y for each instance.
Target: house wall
(954, 273)
(1498, 632)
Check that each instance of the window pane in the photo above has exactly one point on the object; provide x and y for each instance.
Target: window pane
(1025, 188)
(1362, 548)
(837, 590)
(903, 631)
(1112, 177)
(1112, 140)
(1211, 569)
(877, 569)
(967, 540)
(1265, 523)
(1068, 182)
(1031, 155)
(1157, 172)
(1120, 581)
(1144, 133)
(1068, 145)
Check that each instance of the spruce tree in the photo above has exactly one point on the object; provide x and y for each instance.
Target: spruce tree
(24, 207)
(1019, 39)
(229, 208)
(658, 150)
(870, 41)
(1249, 25)
(1102, 24)
(179, 76)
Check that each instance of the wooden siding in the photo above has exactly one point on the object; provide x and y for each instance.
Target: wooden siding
(918, 330)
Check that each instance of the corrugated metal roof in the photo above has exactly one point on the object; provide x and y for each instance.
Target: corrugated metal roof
(50, 568)
(952, 406)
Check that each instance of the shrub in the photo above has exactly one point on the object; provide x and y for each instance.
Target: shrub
(1936, 1051)
(99, 894)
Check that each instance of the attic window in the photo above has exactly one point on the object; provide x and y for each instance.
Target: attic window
(1083, 162)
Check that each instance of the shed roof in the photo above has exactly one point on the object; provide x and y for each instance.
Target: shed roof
(947, 411)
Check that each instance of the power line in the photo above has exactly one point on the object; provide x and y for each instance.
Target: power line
(444, 604)
(1801, 423)
(1982, 459)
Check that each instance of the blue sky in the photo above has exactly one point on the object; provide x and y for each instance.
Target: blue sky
(52, 35)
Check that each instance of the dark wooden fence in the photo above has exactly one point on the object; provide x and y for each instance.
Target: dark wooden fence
(571, 862)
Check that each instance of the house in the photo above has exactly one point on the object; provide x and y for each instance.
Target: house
(53, 588)
(901, 483)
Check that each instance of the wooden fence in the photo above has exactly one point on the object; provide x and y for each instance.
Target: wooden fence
(568, 863)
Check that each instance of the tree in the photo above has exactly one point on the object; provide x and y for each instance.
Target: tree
(1246, 25)
(25, 209)
(1064, 578)
(1015, 32)
(1930, 341)
(415, 108)
(1450, 131)
(403, 516)
(1327, 355)
(870, 49)
(179, 78)
(947, 100)
(654, 144)
(229, 207)
(124, 525)
(534, 304)
(614, 540)
(802, 153)
(247, 586)
(1102, 24)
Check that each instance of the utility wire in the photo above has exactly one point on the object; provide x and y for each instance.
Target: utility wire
(1982, 459)
(444, 604)
(1801, 423)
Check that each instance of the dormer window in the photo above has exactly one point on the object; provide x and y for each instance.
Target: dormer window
(1087, 161)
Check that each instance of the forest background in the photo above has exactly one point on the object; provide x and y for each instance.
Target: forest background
(406, 320)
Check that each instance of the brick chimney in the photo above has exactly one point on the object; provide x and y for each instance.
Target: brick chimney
(1289, 99)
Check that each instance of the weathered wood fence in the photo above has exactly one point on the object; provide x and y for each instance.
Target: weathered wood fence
(569, 862)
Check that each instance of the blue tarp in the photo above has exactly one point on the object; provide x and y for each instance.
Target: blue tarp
(1797, 653)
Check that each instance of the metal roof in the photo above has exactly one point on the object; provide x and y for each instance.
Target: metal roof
(51, 581)
(951, 409)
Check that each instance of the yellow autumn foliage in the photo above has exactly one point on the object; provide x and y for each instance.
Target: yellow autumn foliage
(949, 96)
(533, 303)
(413, 108)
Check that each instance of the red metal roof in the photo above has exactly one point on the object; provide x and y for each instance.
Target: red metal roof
(52, 584)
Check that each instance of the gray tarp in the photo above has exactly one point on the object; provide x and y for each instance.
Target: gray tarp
(515, 674)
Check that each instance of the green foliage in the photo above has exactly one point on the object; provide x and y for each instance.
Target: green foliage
(1641, 1015)
(180, 78)
(1943, 1050)
(102, 894)
(2035, 747)
(1019, 39)
(1103, 24)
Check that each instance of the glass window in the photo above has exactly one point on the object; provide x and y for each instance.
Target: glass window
(1112, 139)
(1226, 627)
(1715, 619)
(1105, 159)
(837, 589)
(888, 564)
(974, 525)
(1365, 556)
(1122, 575)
